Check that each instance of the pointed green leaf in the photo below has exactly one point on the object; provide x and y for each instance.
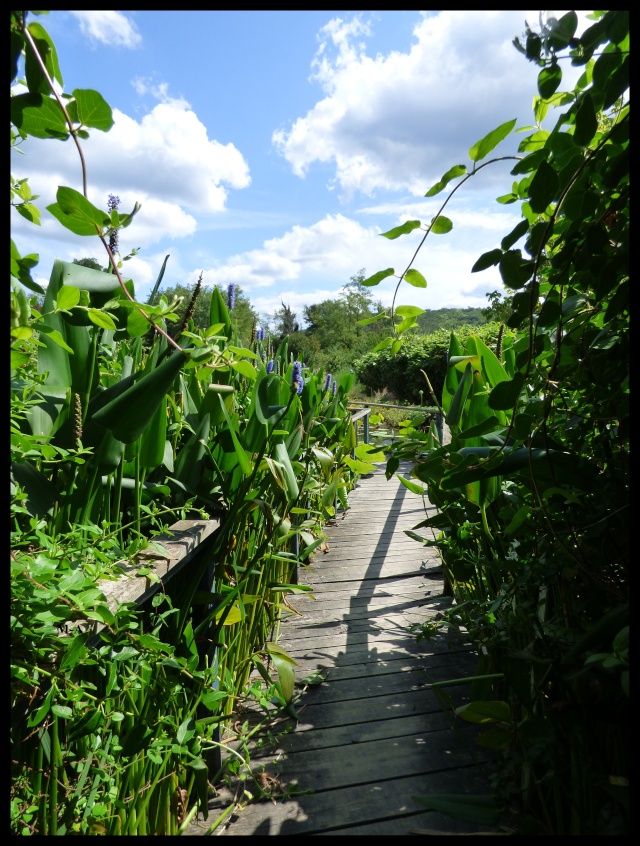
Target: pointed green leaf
(487, 260)
(452, 173)
(404, 229)
(543, 187)
(378, 277)
(93, 109)
(409, 311)
(460, 397)
(383, 345)
(413, 487)
(586, 122)
(483, 147)
(128, 414)
(505, 394)
(415, 278)
(548, 80)
(101, 319)
(516, 233)
(39, 116)
(514, 270)
(407, 323)
(245, 368)
(67, 297)
(441, 225)
(485, 712)
(563, 31)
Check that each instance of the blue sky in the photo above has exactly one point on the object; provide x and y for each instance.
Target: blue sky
(272, 148)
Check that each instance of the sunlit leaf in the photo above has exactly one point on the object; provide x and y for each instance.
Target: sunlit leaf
(404, 229)
(441, 225)
(378, 277)
(483, 147)
(452, 173)
(415, 278)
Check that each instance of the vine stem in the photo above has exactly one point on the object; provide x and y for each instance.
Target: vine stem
(433, 220)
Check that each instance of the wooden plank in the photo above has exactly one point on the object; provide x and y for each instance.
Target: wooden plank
(329, 811)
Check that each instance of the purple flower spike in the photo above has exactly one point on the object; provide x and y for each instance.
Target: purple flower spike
(231, 295)
(327, 384)
(300, 387)
(296, 377)
(112, 204)
(270, 365)
(334, 388)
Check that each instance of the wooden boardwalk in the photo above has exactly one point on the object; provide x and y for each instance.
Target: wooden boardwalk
(374, 734)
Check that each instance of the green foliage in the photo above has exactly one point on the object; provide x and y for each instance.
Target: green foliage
(401, 373)
(122, 424)
(532, 490)
(243, 315)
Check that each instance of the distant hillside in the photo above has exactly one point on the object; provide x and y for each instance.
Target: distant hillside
(450, 318)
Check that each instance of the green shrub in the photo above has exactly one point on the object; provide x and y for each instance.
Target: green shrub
(401, 374)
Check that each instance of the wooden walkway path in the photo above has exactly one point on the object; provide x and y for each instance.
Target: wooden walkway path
(374, 734)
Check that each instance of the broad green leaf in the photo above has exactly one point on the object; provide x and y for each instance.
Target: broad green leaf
(55, 336)
(101, 319)
(505, 394)
(409, 311)
(67, 297)
(404, 229)
(479, 810)
(243, 460)
(415, 278)
(29, 212)
(186, 730)
(281, 455)
(137, 325)
(452, 173)
(130, 412)
(548, 80)
(563, 31)
(274, 649)
(36, 80)
(441, 225)
(487, 260)
(485, 712)
(74, 203)
(245, 368)
(460, 397)
(407, 323)
(543, 187)
(586, 122)
(412, 486)
(516, 233)
(483, 147)
(378, 277)
(39, 116)
(93, 109)
(74, 224)
(514, 270)
(383, 345)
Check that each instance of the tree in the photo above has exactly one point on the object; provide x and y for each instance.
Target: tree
(89, 262)
(286, 323)
(243, 315)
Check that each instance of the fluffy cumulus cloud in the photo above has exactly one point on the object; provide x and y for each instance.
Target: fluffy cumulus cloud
(165, 161)
(386, 122)
(111, 28)
(301, 261)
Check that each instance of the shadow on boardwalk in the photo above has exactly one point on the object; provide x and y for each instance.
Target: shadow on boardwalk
(375, 733)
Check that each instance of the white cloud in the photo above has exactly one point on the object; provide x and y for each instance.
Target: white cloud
(397, 122)
(111, 28)
(166, 161)
(336, 247)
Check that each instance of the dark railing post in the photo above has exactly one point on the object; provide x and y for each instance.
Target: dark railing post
(439, 427)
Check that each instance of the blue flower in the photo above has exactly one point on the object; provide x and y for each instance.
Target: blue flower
(327, 384)
(231, 295)
(112, 204)
(334, 388)
(270, 365)
(297, 382)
